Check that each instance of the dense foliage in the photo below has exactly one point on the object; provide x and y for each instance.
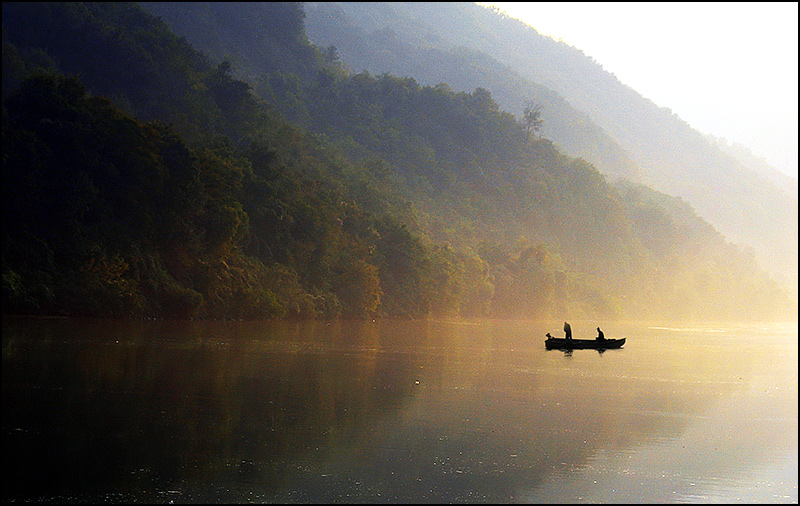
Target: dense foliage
(589, 113)
(180, 191)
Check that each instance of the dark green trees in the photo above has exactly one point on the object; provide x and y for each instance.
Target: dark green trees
(380, 197)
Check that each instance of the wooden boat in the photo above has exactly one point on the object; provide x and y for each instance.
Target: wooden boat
(553, 343)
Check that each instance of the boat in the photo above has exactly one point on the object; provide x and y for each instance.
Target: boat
(553, 343)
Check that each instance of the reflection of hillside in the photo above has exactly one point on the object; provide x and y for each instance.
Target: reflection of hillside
(489, 421)
(316, 412)
(217, 404)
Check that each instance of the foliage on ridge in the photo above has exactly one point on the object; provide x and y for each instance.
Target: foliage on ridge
(179, 190)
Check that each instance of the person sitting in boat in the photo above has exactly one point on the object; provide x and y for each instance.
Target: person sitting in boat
(568, 331)
(548, 336)
(600, 335)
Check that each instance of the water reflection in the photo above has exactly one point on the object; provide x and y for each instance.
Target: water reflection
(383, 411)
(568, 351)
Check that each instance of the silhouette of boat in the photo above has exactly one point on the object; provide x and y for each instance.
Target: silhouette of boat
(554, 343)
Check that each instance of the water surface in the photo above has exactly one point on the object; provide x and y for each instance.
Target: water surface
(396, 411)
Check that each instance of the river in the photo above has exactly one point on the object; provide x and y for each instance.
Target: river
(397, 411)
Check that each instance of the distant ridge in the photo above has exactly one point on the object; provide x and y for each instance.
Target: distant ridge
(751, 206)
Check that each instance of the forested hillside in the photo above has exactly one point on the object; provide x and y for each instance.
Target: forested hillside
(142, 178)
(408, 48)
(598, 118)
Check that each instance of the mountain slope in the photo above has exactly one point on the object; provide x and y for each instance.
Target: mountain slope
(669, 155)
(465, 69)
(383, 197)
(416, 53)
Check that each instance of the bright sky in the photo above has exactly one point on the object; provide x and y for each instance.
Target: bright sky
(728, 69)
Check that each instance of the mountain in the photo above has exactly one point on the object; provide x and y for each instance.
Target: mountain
(145, 175)
(755, 163)
(594, 117)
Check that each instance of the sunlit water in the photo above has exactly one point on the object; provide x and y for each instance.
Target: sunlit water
(387, 411)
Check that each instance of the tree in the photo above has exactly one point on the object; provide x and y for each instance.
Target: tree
(532, 117)
(403, 267)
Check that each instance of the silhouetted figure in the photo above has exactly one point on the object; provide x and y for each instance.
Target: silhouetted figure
(600, 335)
(568, 331)
(549, 336)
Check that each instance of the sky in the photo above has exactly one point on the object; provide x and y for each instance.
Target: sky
(729, 69)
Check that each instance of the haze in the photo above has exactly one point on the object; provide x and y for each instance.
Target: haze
(728, 69)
